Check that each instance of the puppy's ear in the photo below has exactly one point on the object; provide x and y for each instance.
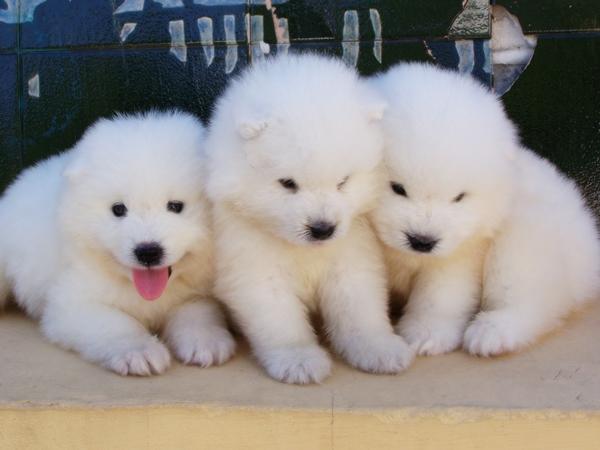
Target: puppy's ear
(75, 169)
(251, 128)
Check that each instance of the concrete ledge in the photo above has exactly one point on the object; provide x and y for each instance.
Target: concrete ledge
(547, 397)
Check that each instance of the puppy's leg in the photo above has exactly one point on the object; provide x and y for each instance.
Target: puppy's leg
(197, 334)
(100, 333)
(443, 300)
(4, 288)
(276, 323)
(527, 287)
(355, 308)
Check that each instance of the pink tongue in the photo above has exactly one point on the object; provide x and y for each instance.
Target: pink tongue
(150, 283)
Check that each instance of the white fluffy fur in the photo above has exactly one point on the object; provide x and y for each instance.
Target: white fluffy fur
(521, 239)
(68, 259)
(310, 119)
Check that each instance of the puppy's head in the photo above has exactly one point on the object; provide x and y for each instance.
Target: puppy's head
(449, 155)
(134, 198)
(295, 146)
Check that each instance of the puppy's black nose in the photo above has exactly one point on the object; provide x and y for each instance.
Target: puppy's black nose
(421, 243)
(321, 231)
(149, 253)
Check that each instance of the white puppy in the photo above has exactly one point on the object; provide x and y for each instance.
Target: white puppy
(294, 153)
(469, 214)
(112, 238)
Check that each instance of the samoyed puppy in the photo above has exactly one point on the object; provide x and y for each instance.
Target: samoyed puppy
(110, 242)
(470, 215)
(294, 154)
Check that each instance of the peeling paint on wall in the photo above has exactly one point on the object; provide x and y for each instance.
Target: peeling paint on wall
(512, 51)
(473, 20)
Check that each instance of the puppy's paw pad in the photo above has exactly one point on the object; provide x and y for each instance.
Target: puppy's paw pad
(149, 357)
(430, 339)
(297, 365)
(383, 354)
(489, 335)
(205, 347)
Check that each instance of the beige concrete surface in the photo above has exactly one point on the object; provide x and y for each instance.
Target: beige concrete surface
(545, 397)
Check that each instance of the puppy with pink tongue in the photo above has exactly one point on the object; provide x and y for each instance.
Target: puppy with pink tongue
(109, 245)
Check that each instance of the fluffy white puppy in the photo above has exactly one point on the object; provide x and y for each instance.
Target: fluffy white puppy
(111, 239)
(470, 215)
(294, 151)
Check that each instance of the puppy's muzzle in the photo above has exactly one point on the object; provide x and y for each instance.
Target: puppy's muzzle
(421, 243)
(321, 231)
(149, 253)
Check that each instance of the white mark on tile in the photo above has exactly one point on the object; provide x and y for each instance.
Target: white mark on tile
(487, 63)
(283, 43)
(466, 55)
(127, 30)
(178, 47)
(350, 37)
(170, 3)
(236, 2)
(130, 6)
(229, 27)
(205, 27)
(231, 57)
(231, 54)
(26, 7)
(33, 86)
(377, 43)
(259, 47)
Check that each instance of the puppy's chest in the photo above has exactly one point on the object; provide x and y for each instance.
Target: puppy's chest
(307, 273)
(402, 270)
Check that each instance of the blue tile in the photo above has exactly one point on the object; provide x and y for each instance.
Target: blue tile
(201, 21)
(66, 23)
(66, 91)
(8, 24)
(358, 20)
(62, 23)
(10, 148)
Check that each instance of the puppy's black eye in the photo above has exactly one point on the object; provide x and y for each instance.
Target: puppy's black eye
(398, 189)
(175, 206)
(343, 182)
(119, 210)
(289, 184)
(459, 197)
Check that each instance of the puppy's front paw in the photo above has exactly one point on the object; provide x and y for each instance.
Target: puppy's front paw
(430, 338)
(297, 365)
(492, 333)
(384, 354)
(146, 356)
(202, 346)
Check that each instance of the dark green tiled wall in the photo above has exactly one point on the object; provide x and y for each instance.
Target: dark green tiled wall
(64, 63)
